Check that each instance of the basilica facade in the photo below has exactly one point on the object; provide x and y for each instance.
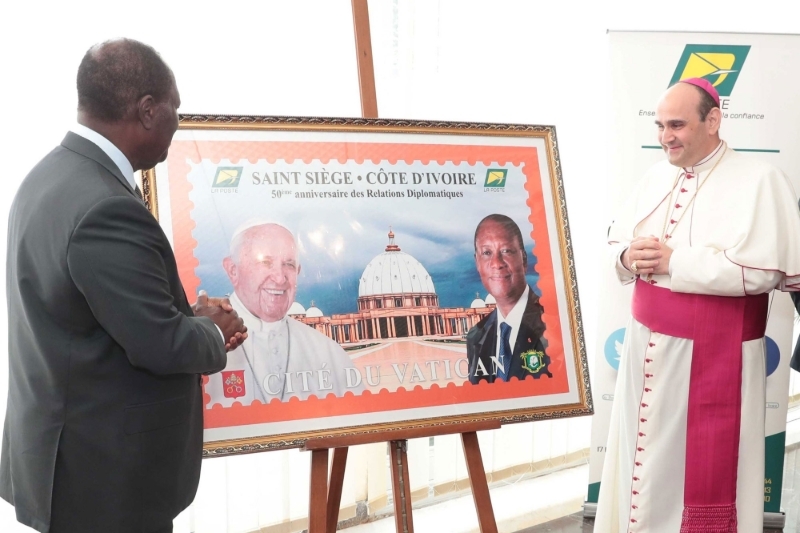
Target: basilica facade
(396, 298)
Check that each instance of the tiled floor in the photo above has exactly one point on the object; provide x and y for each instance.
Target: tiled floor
(575, 523)
(790, 502)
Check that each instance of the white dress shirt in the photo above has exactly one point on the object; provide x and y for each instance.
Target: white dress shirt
(109, 149)
(514, 319)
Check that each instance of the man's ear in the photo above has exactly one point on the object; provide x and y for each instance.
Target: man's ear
(146, 111)
(714, 120)
(230, 268)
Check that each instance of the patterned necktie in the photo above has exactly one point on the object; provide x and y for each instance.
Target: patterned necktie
(505, 352)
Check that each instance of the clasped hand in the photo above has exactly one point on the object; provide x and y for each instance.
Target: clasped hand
(650, 255)
(221, 312)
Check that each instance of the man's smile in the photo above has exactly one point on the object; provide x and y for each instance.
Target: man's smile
(275, 292)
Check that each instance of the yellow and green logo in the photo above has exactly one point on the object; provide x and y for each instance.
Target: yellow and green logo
(227, 177)
(719, 64)
(496, 177)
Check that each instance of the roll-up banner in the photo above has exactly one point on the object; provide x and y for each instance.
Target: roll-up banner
(752, 74)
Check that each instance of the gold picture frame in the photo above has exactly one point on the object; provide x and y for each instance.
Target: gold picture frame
(218, 175)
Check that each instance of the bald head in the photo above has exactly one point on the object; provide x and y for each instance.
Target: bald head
(114, 75)
(687, 135)
(263, 270)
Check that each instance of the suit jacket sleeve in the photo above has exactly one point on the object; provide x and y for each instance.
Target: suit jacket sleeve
(116, 258)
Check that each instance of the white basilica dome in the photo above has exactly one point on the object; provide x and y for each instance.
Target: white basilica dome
(314, 311)
(490, 300)
(296, 309)
(394, 272)
(477, 303)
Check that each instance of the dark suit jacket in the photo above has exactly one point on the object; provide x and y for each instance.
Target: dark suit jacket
(103, 431)
(482, 341)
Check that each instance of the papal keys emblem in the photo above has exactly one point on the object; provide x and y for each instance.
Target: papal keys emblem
(233, 383)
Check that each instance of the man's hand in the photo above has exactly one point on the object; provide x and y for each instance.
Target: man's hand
(221, 312)
(650, 256)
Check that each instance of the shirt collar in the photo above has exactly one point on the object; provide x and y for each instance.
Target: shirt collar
(250, 320)
(514, 317)
(114, 153)
(708, 161)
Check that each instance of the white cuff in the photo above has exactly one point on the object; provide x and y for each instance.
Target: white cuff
(624, 275)
(224, 340)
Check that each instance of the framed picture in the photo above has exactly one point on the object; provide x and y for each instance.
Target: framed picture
(391, 273)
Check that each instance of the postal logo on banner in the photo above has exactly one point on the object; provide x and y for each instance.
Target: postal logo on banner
(719, 64)
(227, 178)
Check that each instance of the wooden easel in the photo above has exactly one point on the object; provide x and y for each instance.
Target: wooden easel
(326, 493)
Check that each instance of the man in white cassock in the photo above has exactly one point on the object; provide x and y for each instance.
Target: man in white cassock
(705, 237)
(282, 358)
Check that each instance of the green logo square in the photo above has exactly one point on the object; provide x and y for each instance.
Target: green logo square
(227, 177)
(496, 177)
(719, 64)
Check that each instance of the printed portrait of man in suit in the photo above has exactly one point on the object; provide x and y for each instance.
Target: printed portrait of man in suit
(510, 340)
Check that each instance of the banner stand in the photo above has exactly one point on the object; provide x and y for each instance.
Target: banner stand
(643, 66)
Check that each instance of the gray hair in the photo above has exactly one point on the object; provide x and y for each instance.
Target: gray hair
(241, 232)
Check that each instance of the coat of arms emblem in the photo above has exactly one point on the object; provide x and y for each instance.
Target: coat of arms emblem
(533, 361)
(233, 383)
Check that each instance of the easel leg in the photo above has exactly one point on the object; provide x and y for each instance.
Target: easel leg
(335, 487)
(477, 480)
(401, 488)
(317, 502)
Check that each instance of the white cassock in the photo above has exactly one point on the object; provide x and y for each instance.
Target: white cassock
(739, 236)
(281, 360)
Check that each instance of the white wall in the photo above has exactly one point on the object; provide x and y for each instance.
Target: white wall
(491, 60)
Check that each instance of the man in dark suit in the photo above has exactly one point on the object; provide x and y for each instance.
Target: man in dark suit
(517, 321)
(103, 431)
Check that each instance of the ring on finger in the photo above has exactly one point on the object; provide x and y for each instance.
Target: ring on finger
(634, 268)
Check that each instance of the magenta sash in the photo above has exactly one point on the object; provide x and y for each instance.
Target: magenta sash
(717, 325)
